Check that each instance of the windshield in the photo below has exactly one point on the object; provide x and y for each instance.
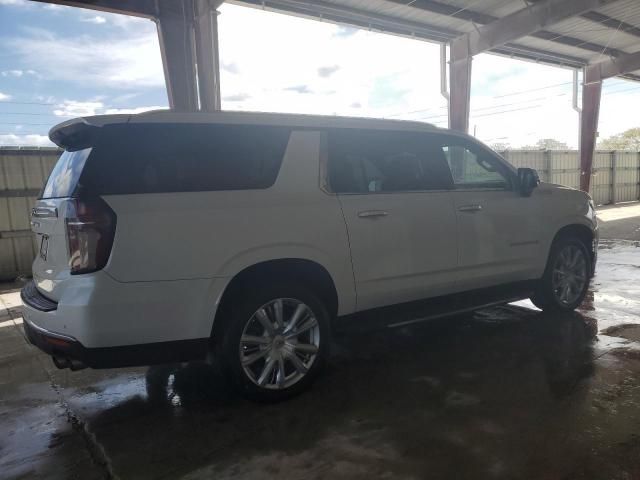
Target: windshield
(64, 177)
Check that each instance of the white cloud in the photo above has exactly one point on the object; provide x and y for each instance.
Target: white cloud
(18, 3)
(127, 22)
(18, 73)
(45, 99)
(123, 61)
(74, 108)
(96, 106)
(31, 140)
(97, 20)
(4, 96)
(323, 71)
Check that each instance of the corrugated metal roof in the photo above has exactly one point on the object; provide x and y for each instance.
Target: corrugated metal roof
(609, 31)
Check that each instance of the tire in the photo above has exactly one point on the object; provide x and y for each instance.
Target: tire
(266, 359)
(563, 292)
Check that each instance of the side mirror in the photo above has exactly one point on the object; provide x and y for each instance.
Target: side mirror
(528, 179)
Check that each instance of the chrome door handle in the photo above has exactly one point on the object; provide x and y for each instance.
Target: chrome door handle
(44, 212)
(372, 213)
(470, 208)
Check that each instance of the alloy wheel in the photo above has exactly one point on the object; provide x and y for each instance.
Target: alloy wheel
(569, 274)
(279, 343)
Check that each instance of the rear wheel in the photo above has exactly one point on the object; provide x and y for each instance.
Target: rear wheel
(276, 342)
(566, 278)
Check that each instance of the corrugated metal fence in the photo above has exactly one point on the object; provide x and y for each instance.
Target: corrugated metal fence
(23, 171)
(616, 174)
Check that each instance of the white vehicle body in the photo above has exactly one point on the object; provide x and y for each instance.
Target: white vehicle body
(174, 254)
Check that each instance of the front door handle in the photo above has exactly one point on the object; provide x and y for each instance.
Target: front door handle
(372, 213)
(470, 208)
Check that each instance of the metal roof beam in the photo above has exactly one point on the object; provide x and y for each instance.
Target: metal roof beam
(519, 24)
(347, 16)
(336, 13)
(621, 65)
(449, 10)
(138, 8)
(611, 22)
(484, 19)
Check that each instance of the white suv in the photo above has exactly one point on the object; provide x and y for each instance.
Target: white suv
(167, 237)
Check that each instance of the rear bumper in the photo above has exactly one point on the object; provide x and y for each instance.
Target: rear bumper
(70, 353)
(99, 311)
(39, 312)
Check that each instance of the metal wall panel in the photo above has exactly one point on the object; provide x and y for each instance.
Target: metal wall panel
(23, 171)
(601, 180)
(525, 158)
(565, 167)
(627, 182)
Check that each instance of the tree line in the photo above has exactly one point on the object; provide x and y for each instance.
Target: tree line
(628, 140)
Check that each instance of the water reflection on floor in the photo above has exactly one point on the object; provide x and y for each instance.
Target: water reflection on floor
(507, 392)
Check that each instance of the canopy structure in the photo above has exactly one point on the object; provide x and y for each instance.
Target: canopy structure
(601, 37)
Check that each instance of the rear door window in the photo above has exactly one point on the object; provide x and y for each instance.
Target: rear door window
(63, 179)
(155, 158)
(369, 161)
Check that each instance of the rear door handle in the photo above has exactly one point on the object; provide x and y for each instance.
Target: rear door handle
(372, 213)
(470, 208)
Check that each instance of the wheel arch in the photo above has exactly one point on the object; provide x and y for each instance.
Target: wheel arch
(298, 270)
(580, 231)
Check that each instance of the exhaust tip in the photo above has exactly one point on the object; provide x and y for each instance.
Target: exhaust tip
(64, 362)
(76, 365)
(61, 362)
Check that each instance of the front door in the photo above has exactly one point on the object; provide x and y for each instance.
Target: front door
(399, 212)
(499, 230)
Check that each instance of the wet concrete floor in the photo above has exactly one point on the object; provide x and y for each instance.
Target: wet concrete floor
(506, 392)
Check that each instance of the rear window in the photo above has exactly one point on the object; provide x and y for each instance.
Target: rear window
(64, 177)
(154, 158)
(375, 161)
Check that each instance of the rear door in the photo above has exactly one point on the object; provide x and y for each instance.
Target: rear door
(51, 265)
(399, 212)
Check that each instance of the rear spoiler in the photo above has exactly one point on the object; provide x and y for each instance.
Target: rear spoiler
(81, 133)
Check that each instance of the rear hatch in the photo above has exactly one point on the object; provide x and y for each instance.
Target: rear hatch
(74, 230)
(51, 265)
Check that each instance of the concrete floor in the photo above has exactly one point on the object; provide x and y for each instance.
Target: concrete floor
(506, 392)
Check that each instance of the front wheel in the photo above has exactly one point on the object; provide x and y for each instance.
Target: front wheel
(566, 278)
(277, 342)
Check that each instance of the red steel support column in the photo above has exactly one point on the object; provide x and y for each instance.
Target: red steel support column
(207, 54)
(459, 87)
(591, 93)
(176, 34)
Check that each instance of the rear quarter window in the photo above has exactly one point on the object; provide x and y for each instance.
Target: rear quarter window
(156, 158)
(63, 179)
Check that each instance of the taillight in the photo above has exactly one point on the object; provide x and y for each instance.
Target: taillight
(91, 227)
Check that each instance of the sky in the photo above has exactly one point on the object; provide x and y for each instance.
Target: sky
(59, 62)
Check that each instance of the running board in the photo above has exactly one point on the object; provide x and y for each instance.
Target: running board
(456, 312)
(434, 308)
